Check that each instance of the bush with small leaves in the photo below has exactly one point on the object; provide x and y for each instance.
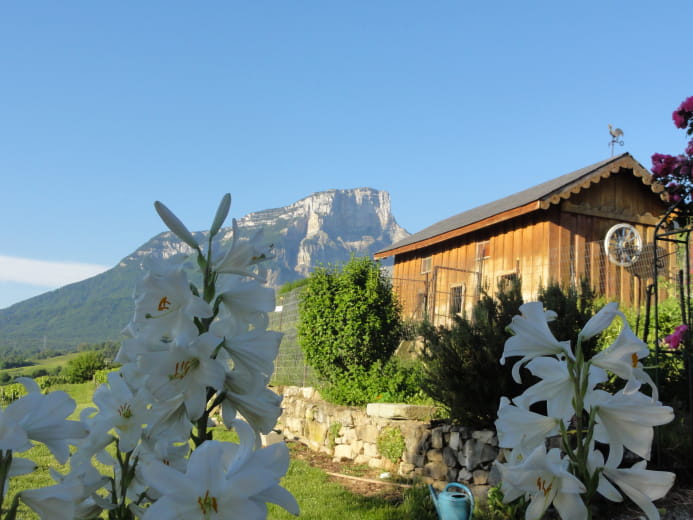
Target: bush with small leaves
(349, 317)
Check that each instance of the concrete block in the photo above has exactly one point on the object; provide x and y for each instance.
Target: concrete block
(343, 451)
(400, 411)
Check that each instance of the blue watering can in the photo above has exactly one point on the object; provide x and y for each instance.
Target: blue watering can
(454, 504)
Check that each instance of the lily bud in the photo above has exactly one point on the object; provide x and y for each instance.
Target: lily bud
(222, 213)
(175, 225)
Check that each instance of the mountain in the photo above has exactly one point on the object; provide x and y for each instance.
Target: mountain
(326, 227)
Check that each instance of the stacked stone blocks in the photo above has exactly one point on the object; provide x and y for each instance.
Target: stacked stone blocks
(434, 452)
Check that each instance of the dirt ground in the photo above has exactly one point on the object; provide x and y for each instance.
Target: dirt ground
(359, 479)
(677, 505)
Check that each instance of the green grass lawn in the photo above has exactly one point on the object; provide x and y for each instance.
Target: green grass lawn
(317, 497)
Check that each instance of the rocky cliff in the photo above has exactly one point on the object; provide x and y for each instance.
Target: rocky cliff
(326, 227)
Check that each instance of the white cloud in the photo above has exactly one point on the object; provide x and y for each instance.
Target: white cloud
(44, 273)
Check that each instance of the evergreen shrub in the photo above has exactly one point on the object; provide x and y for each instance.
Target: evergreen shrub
(461, 363)
(462, 370)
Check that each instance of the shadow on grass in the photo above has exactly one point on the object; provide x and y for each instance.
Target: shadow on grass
(320, 499)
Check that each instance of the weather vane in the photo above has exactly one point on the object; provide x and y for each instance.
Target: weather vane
(616, 134)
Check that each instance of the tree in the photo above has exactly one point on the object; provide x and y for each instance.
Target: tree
(82, 368)
(349, 317)
(461, 363)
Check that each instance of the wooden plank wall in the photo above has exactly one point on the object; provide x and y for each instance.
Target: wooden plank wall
(541, 247)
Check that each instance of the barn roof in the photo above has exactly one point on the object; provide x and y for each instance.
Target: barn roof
(541, 196)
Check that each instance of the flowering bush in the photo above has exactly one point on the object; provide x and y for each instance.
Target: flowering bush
(676, 172)
(189, 350)
(675, 338)
(589, 421)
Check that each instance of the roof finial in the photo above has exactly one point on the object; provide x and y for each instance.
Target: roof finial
(616, 133)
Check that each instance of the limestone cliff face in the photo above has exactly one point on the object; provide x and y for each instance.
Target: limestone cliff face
(326, 227)
(323, 228)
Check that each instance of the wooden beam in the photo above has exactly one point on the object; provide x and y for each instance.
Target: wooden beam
(646, 219)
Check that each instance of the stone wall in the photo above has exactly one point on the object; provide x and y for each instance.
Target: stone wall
(435, 453)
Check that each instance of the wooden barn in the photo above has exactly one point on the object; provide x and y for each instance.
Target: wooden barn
(555, 231)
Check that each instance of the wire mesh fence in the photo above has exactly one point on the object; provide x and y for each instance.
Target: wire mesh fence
(290, 367)
(448, 290)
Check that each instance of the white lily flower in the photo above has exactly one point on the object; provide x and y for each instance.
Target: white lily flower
(21, 466)
(259, 405)
(556, 387)
(132, 347)
(55, 502)
(622, 358)
(164, 304)
(166, 451)
(18, 466)
(94, 443)
(12, 435)
(273, 460)
(43, 418)
(641, 485)
(170, 420)
(85, 475)
(518, 426)
(175, 225)
(600, 321)
(246, 303)
(243, 254)
(532, 337)
(222, 480)
(255, 351)
(121, 409)
(627, 420)
(513, 457)
(186, 370)
(544, 478)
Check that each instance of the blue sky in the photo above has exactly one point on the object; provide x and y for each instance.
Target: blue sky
(106, 107)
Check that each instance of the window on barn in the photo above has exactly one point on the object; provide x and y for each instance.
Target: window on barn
(482, 250)
(456, 299)
(507, 279)
(426, 264)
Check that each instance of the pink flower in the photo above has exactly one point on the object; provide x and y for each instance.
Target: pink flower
(679, 119)
(689, 148)
(687, 105)
(674, 339)
(683, 113)
(663, 164)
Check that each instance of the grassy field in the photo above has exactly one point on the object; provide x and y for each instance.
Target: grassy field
(318, 498)
(48, 364)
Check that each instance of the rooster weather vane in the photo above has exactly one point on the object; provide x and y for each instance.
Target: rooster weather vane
(616, 134)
